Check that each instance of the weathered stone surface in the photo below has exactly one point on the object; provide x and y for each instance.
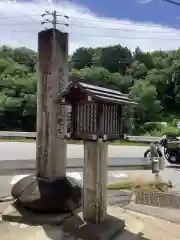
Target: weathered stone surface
(62, 195)
(16, 213)
(95, 180)
(85, 230)
(157, 199)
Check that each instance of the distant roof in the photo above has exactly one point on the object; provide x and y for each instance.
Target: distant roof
(99, 93)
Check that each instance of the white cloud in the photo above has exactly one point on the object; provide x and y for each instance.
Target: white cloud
(145, 1)
(20, 22)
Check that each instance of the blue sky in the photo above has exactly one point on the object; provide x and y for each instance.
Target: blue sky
(155, 11)
(149, 24)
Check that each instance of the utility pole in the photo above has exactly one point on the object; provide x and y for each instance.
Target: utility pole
(51, 119)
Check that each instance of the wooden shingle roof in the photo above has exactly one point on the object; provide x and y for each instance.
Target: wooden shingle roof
(98, 93)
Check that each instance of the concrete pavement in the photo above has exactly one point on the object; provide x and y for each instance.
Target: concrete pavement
(6, 182)
(138, 226)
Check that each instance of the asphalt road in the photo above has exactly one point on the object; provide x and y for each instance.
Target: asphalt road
(19, 159)
(20, 155)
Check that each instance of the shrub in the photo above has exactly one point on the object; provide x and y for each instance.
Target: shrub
(172, 131)
(149, 126)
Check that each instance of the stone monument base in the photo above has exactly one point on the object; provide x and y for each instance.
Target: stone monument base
(107, 229)
(42, 196)
(18, 214)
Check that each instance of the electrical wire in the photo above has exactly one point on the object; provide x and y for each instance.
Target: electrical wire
(111, 22)
(127, 37)
(163, 37)
(94, 20)
(112, 37)
(120, 29)
(15, 24)
(95, 27)
(24, 16)
(173, 2)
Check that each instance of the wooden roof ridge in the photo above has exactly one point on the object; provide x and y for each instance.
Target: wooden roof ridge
(97, 92)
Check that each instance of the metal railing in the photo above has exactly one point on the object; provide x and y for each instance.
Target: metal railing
(9, 134)
(144, 138)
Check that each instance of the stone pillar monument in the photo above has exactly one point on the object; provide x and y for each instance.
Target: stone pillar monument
(50, 190)
(51, 120)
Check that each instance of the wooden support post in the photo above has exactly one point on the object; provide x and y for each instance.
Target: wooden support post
(51, 120)
(95, 180)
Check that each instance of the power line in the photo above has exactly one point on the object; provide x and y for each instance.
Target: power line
(128, 37)
(110, 22)
(91, 20)
(94, 27)
(55, 22)
(105, 36)
(16, 24)
(118, 29)
(27, 64)
(86, 26)
(173, 2)
(23, 16)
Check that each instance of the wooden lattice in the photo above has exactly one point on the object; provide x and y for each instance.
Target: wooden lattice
(110, 120)
(86, 118)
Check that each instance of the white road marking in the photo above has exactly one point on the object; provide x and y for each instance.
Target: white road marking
(118, 174)
(16, 178)
(13, 223)
(23, 225)
(75, 175)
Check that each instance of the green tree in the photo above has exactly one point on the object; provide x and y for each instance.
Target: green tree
(143, 58)
(152, 79)
(137, 70)
(116, 58)
(81, 58)
(149, 108)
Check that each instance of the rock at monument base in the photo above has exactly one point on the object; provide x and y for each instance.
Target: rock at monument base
(41, 195)
(18, 214)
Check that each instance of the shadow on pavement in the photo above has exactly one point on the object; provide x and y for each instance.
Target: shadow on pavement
(87, 231)
(125, 235)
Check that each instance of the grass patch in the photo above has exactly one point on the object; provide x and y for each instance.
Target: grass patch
(150, 187)
(120, 185)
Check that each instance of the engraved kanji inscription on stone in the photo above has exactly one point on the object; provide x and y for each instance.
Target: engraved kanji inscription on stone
(61, 82)
(61, 124)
